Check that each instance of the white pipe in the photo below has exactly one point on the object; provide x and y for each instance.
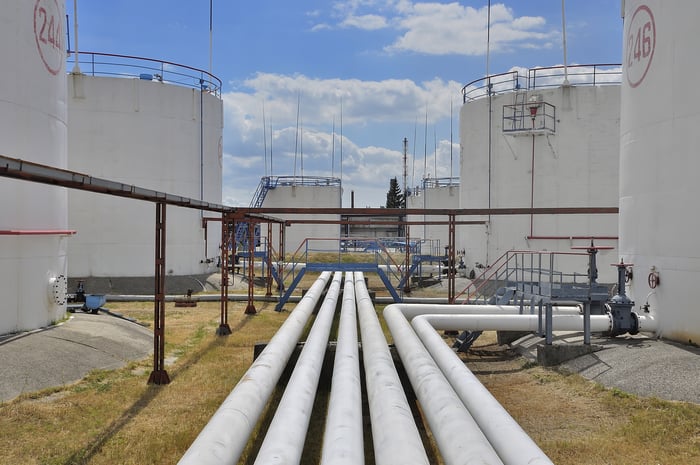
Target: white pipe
(284, 440)
(394, 432)
(512, 444)
(410, 311)
(599, 323)
(457, 435)
(225, 436)
(343, 442)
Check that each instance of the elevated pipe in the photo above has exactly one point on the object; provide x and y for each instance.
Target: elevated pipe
(457, 435)
(394, 432)
(513, 445)
(225, 436)
(343, 442)
(284, 440)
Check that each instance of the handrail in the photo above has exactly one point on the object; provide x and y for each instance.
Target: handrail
(542, 77)
(274, 181)
(501, 269)
(110, 64)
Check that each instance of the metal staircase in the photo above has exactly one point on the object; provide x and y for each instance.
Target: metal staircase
(267, 183)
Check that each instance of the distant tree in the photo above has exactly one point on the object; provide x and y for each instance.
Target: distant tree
(394, 198)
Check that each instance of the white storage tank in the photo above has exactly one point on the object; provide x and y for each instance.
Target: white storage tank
(33, 217)
(544, 145)
(305, 192)
(659, 162)
(149, 132)
(442, 193)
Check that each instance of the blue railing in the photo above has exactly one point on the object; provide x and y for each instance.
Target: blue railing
(544, 77)
(108, 64)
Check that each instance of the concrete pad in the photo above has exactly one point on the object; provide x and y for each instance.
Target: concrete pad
(640, 364)
(65, 353)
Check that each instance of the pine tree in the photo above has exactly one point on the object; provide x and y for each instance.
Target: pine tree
(394, 198)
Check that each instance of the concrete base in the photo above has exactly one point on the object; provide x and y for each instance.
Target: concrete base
(555, 354)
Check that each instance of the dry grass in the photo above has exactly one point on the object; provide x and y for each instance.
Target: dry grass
(114, 417)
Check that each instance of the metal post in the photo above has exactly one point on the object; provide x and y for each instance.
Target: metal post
(548, 324)
(227, 227)
(407, 264)
(159, 375)
(268, 260)
(250, 309)
(280, 266)
(451, 259)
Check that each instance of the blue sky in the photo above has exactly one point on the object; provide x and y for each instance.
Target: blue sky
(386, 63)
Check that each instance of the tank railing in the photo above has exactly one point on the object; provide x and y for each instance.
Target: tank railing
(274, 181)
(554, 76)
(108, 64)
(529, 272)
(541, 78)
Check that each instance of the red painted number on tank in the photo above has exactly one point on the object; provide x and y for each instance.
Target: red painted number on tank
(48, 33)
(50, 29)
(641, 41)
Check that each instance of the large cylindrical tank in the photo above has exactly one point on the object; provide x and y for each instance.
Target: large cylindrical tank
(659, 162)
(434, 193)
(306, 192)
(33, 217)
(152, 134)
(567, 157)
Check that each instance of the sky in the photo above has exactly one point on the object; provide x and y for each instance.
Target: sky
(332, 88)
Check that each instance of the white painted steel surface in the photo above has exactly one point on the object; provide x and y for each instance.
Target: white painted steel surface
(306, 196)
(343, 442)
(394, 432)
(223, 439)
(145, 133)
(458, 437)
(575, 167)
(433, 197)
(284, 439)
(659, 163)
(32, 128)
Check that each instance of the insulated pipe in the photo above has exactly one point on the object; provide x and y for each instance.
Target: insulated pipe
(512, 444)
(343, 442)
(410, 311)
(599, 323)
(225, 436)
(458, 436)
(284, 440)
(394, 432)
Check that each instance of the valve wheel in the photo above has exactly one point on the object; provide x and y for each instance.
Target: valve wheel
(653, 280)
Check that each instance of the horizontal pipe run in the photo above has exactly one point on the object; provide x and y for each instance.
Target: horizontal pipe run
(458, 437)
(225, 436)
(510, 441)
(410, 311)
(394, 432)
(284, 440)
(599, 323)
(343, 442)
(37, 232)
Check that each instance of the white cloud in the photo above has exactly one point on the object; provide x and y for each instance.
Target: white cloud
(366, 22)
(435, 28)
(370, 111)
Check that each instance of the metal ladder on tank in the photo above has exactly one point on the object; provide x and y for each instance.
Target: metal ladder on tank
(266, 184)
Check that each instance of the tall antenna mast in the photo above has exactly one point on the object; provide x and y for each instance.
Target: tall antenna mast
(264, 137)
(333, 150)
(405, 169)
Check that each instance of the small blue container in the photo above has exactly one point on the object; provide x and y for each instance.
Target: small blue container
(94, 301)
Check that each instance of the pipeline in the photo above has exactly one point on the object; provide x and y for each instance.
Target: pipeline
(512, 444)
(394, 432)
(343, 442)
(284, 440)
(225, 435)
(457, 435)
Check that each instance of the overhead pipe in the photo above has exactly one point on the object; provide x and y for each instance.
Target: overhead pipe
(284, 440)
(394, 432)
(458, 436)
(223, 439)
(513, 445)
(343, 442)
